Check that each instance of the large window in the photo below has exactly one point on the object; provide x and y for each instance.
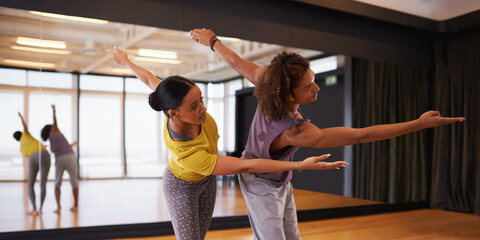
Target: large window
(11, 162)
(215, 106)
(231, 88)
(119, 134)
(146, 154)
(32, 93)
(100, 123)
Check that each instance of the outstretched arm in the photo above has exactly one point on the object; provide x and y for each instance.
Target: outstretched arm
(25, 126)
(308, 135)
(144, 75)
(248, 69)
(54, 126)
(231, 165)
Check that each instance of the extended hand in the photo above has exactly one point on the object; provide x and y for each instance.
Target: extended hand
(202, 36)
(118, 55)
(315, 163)
(433, 119)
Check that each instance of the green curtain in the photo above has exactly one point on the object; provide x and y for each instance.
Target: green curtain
(456, 150)
(395, 170)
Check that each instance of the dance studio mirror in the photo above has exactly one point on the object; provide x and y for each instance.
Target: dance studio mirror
(102, 105)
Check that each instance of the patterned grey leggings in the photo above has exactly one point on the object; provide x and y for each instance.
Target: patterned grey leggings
(190, 204)
(38, 161)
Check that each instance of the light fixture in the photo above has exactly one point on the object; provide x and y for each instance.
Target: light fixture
(27, 63)
(157, 53)
(41, 50)
(71, 18)
(229, 39)
(41, 43)
(90, 48)
(157, 60)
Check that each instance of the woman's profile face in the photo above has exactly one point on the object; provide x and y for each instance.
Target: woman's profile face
(192, 110)
(306, 92)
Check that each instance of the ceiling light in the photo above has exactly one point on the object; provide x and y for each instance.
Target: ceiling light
(157, 53)
(157, 60)
(71, 18)
(41, 43)
(229, 39)
(40, 50)
(33, 64)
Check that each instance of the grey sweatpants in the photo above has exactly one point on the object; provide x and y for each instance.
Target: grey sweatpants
(271, 209)
(190, 204)
(38, 161)
(66, 162)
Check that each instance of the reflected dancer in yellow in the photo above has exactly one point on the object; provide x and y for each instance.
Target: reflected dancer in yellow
(38, 160)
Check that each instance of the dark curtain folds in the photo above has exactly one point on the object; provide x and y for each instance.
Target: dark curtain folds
(395, 170)
(456, 149)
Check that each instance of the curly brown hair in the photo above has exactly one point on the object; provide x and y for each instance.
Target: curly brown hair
(280, 78)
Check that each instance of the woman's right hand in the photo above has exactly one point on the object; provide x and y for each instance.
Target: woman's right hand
(316, 163)
(118, 55)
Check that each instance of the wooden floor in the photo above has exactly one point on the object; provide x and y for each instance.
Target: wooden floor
(114, 202)
(424, 224)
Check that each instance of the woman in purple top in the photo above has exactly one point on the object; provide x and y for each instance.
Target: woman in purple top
(278, 129)
(64, 160)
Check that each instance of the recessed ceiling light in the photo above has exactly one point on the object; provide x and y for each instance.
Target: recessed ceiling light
(71, 18)
(41, 50)
(41, 43)
(157, 53)
(157, 60)
(28, 63)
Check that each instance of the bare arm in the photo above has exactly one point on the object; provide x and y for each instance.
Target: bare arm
(74, 143)
(144, 75)
(54, 126)
(308, 135)
(25, 126)
(231, 165)
(248, 69)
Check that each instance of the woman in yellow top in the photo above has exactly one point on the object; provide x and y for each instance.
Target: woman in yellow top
(38, 159)
(191, 136)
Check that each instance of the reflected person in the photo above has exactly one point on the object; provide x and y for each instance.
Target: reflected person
(38, 160)
(65, 160)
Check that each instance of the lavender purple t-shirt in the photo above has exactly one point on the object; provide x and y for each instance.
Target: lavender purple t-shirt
(262, 133)
(59, 144)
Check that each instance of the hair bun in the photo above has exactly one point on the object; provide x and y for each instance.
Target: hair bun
(154, 103)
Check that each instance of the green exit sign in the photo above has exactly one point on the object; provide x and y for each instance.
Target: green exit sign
(331, 80)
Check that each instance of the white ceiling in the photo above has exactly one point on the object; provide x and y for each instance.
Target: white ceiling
(198, 62)
(433, 9)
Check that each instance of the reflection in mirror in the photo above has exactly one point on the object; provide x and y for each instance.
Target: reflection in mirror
(121, 153)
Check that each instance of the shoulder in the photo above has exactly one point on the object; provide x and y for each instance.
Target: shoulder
(298, 131)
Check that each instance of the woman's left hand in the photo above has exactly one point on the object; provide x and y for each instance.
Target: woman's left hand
(433, 119)
(202, 36)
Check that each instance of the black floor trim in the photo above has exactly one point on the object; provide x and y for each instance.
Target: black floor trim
(218, 223)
